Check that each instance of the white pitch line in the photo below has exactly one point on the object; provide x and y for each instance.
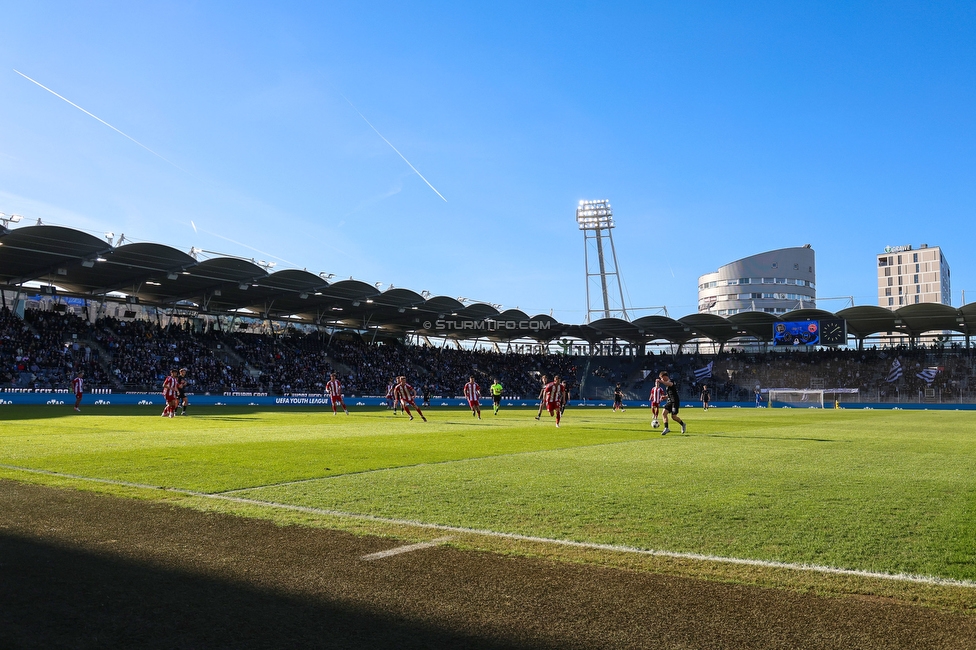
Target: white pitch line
(405, 549)
(769, 564)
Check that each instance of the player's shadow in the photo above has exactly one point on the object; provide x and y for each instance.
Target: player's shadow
(56, 597)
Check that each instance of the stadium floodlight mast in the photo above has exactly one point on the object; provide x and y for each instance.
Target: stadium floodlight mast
(7, 219)
(595, 219)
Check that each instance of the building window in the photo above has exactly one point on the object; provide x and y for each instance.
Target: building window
(899, 259)
(890, 281)
(891, 301)
(743, 280)
(775, 265)
(901, 301)
(882, 261)
(916, 267)
(887, 291)
(915, 280)
(900, 280)
(917, 299)
(767, 280)
(790, 281)
(914, 257)
(891, 260)
(917, 287)
(887, 271)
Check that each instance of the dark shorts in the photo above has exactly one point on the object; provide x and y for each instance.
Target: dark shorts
(671, 407)
(497, 399)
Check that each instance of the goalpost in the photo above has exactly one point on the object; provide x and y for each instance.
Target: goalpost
(810, 398)
(796, 398)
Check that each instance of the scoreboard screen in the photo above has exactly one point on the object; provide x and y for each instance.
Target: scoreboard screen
(799, 332)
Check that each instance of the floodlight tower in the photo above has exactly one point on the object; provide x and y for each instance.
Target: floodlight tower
(595, 219)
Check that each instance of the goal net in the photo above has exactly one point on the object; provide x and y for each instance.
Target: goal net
(796, 398)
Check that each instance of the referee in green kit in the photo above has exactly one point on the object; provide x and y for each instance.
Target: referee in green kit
(496, 395)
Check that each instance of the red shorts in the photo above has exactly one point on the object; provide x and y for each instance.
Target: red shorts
(553, 407)
(655, 404)
(77, 395)
(473, 403)
(408, 402)
(337, 400)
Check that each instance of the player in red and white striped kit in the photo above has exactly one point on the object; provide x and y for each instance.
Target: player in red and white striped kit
(76, 386)
(334, 389)
(391, 400)
(657, 396)
(170, 389)
(472, 393)
(553, 395)
(405, 394)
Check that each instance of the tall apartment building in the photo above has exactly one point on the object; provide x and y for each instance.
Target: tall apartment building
(908, 276)
(775, 282)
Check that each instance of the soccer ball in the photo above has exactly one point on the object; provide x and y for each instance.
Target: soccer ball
(655, 423)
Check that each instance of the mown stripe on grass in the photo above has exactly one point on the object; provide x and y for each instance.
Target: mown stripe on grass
(769, 564)
(449, 461)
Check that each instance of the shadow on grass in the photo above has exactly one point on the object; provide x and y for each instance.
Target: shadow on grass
(56, 597)
(741, 437)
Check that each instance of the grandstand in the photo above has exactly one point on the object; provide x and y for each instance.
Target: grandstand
(126, 314)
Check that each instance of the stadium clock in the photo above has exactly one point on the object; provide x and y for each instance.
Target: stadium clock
(833, 332)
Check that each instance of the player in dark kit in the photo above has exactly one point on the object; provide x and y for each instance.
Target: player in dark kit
(706, 397)
(181, 384)
(670, 408)
(618, 399)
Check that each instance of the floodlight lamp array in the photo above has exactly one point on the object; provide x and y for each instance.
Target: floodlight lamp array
(594, 215)
(8, 219)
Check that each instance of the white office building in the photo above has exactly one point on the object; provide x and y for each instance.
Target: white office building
(775, 282)
(909, 276)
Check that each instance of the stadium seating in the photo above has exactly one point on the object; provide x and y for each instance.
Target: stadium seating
(46, 348)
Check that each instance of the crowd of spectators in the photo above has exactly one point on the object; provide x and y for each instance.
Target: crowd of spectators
(45, 349)
(735, 374)
(142, 354)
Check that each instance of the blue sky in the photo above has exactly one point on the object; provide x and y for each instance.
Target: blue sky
(717, 130)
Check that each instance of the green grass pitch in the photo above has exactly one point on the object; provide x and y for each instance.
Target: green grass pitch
(880, 491)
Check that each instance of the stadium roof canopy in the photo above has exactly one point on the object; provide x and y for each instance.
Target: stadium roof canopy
(82, 265)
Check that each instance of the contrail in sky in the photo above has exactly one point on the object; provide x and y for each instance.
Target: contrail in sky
(256, 250)
(109, 125)
(391, 147)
